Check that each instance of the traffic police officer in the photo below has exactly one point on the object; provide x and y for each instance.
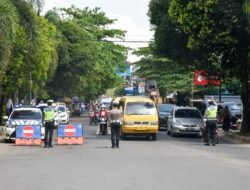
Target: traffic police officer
(115, 122)
(211, 122)
(49, 124)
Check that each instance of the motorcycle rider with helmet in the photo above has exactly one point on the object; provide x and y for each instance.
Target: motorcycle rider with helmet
(103, 118)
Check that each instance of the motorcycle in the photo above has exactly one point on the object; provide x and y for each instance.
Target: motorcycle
(92, 117)
(103, 124)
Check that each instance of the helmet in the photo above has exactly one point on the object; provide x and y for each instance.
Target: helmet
(50, 102)
(115, 103)
(103, 106)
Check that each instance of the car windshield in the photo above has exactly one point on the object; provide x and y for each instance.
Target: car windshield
(140, 108)
(26, 114)
(165, 108)
(62, 109)
(187, 113)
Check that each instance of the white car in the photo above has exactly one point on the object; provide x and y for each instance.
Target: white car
(64, 114)
(22, 116)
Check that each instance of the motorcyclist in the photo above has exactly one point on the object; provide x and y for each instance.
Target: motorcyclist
(102, 113)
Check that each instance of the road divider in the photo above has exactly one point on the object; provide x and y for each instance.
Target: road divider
(70, 134)
(28, 135)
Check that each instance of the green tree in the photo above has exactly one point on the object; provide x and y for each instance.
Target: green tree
(220, 28)
(87, 61)
(8, 24)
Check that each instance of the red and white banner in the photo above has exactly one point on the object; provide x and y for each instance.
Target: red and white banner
(201, 78)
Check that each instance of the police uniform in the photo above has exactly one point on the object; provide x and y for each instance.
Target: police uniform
(115, 122)
(211, 124)
(49, 125)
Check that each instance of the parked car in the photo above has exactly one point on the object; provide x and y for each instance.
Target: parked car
(234, 108)
(185, 120)
(22, 116)
(164, 111)
(64, 114)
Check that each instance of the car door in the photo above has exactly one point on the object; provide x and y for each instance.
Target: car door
(170, 120)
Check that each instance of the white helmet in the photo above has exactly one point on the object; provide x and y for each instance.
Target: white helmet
(103, 106)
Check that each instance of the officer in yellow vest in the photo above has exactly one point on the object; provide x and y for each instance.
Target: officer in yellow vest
(49, 124)
(211, 122)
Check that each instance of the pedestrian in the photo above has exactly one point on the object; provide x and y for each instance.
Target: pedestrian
(9, 106)
(226, 119)
(82, 108)
(115, 117)
(211, 122)
(49, 115)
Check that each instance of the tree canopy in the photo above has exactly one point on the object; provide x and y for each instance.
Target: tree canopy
(210, 35)
(67, 52)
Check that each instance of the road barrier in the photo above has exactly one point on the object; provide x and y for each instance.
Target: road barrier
(28, 135)
(70, 134)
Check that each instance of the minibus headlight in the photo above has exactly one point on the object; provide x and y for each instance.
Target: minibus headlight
(128, 122)
(154, 123)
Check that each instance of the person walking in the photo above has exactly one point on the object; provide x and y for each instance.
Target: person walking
(226, 119)
(49, 115)
(211, 122)
(115, 116)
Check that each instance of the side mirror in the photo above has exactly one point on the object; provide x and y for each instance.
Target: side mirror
(5, 118)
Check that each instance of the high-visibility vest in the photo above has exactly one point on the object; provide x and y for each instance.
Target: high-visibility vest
(212, 112)
(48, 114)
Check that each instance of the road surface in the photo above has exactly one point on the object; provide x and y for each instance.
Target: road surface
(169, 163)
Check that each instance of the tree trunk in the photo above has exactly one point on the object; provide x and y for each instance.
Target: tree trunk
(1, 108)
(245, 98)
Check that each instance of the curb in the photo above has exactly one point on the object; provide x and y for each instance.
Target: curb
(235, 138)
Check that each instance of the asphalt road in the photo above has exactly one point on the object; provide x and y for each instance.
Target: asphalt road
(169, 163)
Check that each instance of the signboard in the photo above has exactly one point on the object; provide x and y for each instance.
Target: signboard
(200, 78)
(28, 132)
(71, 130)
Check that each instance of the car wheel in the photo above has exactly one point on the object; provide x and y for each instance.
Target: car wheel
(122, 135)
(172, 132)
(154, 137)
(168, 132)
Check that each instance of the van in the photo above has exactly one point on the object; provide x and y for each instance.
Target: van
(140, 117)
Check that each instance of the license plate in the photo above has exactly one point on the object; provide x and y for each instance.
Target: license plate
(140, 128)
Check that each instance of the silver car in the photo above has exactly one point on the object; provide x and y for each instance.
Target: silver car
(185, 120)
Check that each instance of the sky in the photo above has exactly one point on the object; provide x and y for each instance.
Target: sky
(131, 16)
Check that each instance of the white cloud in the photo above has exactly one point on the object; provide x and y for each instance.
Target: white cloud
(130, 14)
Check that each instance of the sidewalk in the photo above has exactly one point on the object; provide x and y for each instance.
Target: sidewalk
(234, 137)
(1, 134)
(1, 130)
